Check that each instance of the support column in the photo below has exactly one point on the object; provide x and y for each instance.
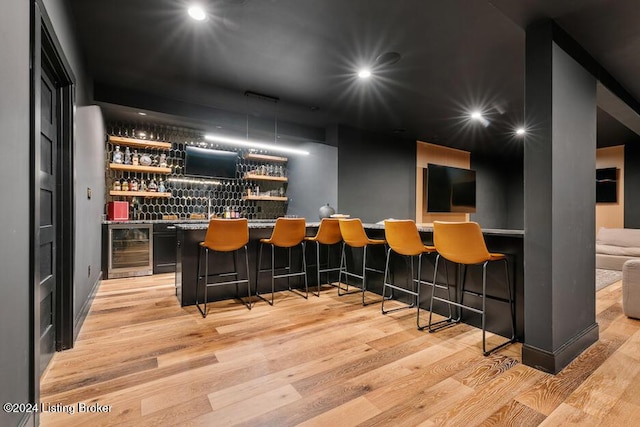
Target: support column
(559, 203)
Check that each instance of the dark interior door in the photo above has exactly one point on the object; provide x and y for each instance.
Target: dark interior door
(47, 185)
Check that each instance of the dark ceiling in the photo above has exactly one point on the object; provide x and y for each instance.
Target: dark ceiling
(456, 55)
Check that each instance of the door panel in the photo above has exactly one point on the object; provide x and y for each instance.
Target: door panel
(47, 194)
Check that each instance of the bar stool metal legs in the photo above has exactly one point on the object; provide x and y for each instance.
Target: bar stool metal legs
(328, 268)
(434, 326)
(233, 274)
(286, 275)
(344, 271)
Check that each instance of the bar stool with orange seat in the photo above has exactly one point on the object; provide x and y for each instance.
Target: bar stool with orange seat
(404, 239)
(224, 236)
(287, 233)
(354, 236)
(463, 243)
(328, 235)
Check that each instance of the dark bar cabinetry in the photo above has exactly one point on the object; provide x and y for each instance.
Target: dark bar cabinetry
(164, 248)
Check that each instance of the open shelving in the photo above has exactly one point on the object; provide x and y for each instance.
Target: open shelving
(256, 177)
(139, 193)
(272, 198)
(139, 168)
(140, 143)
(265, 158)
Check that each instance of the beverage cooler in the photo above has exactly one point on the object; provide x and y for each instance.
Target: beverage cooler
(129, 250)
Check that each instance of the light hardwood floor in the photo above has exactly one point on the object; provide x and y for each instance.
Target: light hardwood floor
(327, 361)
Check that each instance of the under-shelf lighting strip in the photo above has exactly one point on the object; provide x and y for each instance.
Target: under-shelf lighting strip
(254, 144)
(194, 181)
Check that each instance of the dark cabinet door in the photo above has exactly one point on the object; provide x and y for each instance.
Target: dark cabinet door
(164, 248)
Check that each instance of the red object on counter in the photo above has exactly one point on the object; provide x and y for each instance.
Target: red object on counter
(118, 211)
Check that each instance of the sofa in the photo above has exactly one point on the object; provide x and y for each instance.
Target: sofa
(615, 246)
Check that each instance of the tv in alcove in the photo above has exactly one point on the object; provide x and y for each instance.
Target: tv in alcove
(606, 185)
(207, 163)
(449, 189)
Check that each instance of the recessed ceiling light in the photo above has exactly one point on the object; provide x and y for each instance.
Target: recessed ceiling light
(520, 131)
(141, 113)
(197, 13)
(476, 115)
(364, 73)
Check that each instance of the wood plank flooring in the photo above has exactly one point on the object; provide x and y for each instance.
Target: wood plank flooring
(327, 361)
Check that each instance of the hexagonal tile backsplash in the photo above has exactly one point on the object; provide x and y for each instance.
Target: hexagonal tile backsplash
(192, 196)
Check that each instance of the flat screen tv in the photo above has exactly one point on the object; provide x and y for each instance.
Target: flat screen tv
(606, 185)
(203, 162)
(449, 189)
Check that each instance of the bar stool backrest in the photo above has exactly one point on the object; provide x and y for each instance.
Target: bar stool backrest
(225, 235)
(288, 232)
(329, 231)
(460, 242)
(403, 237)
(353, 232)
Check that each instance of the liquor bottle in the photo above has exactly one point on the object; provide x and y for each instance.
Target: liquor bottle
(117, 155)
(135, 159)
(127, 156)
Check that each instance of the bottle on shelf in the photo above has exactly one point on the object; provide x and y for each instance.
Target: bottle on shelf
(153, 187)
(127, 156)
(117, 186)
(134, 185)
(161, 187)
(125, 185)
(117, 155)
(135, 159)
(163, 160)
(143, 185)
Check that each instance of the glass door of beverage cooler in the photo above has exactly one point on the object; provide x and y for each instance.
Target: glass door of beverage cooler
(130, 250)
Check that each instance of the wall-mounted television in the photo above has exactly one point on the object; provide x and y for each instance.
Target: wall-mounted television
(606, 185)
(449, 189)
(207, 163)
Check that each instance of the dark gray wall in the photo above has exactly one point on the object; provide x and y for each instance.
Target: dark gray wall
(89, 151)
(559, 171)
(88, 161)
(376, 175)
(313, 180)
(14, 233)
(60, 16)
(499, 191)
(631, 185)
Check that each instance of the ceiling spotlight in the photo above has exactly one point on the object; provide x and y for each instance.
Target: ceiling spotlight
(520, 131)
(478, 117)
(364, 73)
(141, 113)
(197, 13)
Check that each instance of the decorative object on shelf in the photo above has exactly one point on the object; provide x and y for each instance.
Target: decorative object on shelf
(116, 185)
(145, 160)
(143, 185)
(117, 155)
(163, 160)
(127, 156)
(326, 211)
(153, 186)
(135, 159)
(134, 185)
(125, 185)
(161, 187)
(281, 191)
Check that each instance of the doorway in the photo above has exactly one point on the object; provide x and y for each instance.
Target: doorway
(52, 197)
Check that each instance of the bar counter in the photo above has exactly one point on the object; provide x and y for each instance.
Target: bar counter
(509, 242)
